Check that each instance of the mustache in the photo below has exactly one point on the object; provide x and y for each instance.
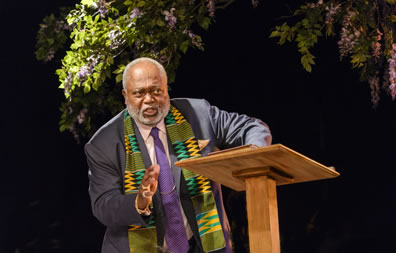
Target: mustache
(150, 106)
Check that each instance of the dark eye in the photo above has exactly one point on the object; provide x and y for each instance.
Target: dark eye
(138, 93)
(157, 91)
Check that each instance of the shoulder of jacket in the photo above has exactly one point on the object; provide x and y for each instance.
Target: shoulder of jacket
(110, 129)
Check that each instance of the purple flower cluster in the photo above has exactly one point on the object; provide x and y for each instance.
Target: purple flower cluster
(392, 72)
(61, 25)
(50, 55)
(88, 69)
(43, 27)
(211, 7)
(164, 59)
(83, 73)
(392, 89)
(68, 84)
(375, 88)
(331, 12)
(376, 46)
(349, 35)
(136, 13)
(73, 130)
(312, 5)
(116, 37)
(103, 11)
(82, 115)
(195, 40)
(170, 18)
(102, 6)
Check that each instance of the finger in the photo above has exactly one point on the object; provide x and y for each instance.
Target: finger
(151, 168)
(147, 194)
(147, 175)
(156, 170)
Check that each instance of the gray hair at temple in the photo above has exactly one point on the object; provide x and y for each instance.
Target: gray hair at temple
(143, 60)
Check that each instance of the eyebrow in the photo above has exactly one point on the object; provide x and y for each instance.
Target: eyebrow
(149, 87)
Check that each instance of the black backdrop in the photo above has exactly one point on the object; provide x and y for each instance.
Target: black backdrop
(326, 115)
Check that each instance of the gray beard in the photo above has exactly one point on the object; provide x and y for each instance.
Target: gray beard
(137, 114)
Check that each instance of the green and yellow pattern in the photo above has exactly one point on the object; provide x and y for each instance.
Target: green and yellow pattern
(185, 145)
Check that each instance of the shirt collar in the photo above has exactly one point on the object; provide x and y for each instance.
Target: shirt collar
(145, 129)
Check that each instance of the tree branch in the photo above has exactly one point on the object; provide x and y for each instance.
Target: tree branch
(227, 3)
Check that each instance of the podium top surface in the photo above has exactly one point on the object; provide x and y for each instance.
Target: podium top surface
(286, 166)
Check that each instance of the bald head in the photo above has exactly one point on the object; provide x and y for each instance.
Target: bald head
(143, 61)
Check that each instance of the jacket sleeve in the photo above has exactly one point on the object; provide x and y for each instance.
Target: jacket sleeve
(232, 129)
(109, 204)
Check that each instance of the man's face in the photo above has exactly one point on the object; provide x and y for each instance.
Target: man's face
(146, 95)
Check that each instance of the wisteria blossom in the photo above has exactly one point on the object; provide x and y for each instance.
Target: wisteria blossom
(83, 74)
(349, 35)
(170, 18)
(211, 7)
(50, 56)
(68, 84)
(195, 40)
(164, 59)
(392, 72)
(313, 5)
(116, 38)
(102, 6)
(82, 115)
(88, 69)
(376, 46)
(375, 88)
(332, 10)
(136, 13)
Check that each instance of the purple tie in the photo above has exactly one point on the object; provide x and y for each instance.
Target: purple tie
(175, 233)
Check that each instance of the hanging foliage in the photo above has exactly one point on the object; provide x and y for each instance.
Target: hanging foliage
(364, 29)
(104, 37)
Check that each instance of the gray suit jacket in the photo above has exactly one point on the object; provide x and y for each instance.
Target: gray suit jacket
(106, 160)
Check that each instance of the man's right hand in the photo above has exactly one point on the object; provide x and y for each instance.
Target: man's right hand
(148, 186)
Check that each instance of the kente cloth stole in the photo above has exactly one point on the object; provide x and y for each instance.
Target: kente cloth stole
(144, 238)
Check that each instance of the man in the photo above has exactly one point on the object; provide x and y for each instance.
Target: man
(147, 203)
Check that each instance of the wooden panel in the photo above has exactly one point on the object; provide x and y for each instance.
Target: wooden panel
(292, 166)
(262, 212)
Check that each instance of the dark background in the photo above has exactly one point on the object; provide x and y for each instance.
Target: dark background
(326, 115)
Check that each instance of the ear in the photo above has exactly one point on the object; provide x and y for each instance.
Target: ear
(124, 93)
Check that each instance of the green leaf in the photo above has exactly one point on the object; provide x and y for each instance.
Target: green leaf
(50, 41)
(87, 2)
(160, 22)
(184, 46)
(87, 88)
(274, 34)
(110, 60)
(391, 1)
(204, 22)
(96, 19)
(63, 127)
(117, 71)
(141, 4)
(128, 2)
(202, 10)
(393, 18)
(307, 61)
(118, 78)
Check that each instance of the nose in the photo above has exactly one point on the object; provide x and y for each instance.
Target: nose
(148, 98)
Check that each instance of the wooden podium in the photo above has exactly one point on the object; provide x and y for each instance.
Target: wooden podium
(258, 170)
